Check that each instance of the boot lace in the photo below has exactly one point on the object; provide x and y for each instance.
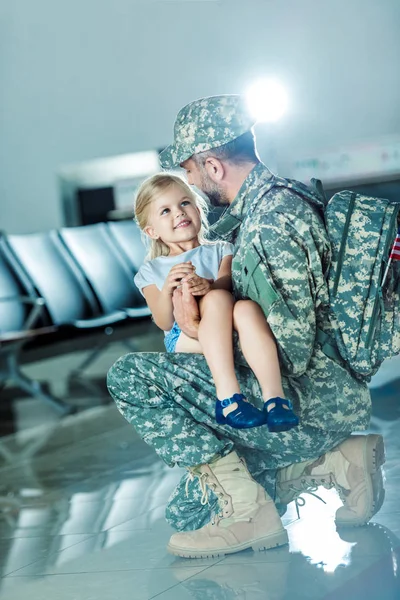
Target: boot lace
(202, 477)
(204, 485)
(307, 487)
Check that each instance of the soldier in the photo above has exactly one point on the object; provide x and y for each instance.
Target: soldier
(281, 256)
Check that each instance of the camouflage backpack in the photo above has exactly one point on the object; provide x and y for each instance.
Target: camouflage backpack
(365, 314)
(364, 293)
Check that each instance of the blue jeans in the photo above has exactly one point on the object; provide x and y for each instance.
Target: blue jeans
(172, 337)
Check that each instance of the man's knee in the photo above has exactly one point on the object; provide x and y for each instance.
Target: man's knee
(124, 367)
(114, 374)
(124, 375)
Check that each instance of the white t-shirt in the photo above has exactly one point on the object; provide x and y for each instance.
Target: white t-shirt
(206, 259)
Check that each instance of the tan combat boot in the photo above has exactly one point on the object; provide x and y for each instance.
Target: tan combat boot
(353, 468)
(248, 517)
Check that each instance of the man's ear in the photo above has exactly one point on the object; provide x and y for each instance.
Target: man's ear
(150, 231)
(215, 169)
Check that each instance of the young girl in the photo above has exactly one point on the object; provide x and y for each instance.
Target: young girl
(174, 219)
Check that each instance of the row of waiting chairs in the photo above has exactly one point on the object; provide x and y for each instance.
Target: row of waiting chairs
(79, 278)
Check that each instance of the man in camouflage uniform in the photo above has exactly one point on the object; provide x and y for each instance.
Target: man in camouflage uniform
(281, 257)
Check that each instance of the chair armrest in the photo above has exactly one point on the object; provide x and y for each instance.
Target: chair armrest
(16, 336)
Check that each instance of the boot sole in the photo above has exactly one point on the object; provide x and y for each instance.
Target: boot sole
(373, 459)
(265, 543)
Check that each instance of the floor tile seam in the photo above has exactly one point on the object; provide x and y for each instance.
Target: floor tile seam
(96, 476)
(103, 530)
(43, 459)
(50, 500)
(149, 529)
(91, 439)
(101, 473)
(98, 430)
(10, 470)
(89, 536)
(292, 521)
(83, 501)
(179, 583)
(132, 570)
(74, 420)
(134, 518)
(168, 589)
(50, 535)
(68, 491)
(84, 442)
(258, 561)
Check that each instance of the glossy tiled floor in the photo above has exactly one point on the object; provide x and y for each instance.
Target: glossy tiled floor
(82, 513)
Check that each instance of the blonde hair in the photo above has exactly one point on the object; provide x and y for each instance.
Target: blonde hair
(149, 191)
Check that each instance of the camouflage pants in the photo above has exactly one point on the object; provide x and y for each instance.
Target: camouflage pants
(170, 397)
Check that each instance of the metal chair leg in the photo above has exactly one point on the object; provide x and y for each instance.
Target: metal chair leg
(12, 372)
(132, 346)
(88, 360)
(94, 389)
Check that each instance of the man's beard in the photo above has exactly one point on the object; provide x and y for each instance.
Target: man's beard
(215, 195)
(217, 198)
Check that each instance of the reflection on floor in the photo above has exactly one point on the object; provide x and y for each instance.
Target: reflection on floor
(82, 511)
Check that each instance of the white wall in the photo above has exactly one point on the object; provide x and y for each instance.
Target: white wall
(91, 78)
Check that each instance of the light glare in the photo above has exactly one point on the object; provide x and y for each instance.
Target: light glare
(267, 100)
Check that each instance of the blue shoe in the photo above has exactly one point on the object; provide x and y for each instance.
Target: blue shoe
(243, 417)
(280, 418)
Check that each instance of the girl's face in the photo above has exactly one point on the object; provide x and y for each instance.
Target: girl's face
(174, 217)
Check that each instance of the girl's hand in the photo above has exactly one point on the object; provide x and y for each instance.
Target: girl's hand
(198, 286)
(176, 275)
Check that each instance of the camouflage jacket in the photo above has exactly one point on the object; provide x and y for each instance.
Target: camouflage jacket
(281, 258)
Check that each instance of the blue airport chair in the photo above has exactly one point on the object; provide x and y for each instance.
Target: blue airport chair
(128, 238)
(47, 270)
(105, 267)
(19, 323)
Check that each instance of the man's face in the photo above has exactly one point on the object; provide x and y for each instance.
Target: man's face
(197, 175)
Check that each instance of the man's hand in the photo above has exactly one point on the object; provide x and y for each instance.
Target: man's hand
(186, 311)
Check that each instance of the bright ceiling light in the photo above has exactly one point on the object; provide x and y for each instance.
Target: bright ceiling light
(267, 100)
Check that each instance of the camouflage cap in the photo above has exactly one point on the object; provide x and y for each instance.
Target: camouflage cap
(204, 124)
